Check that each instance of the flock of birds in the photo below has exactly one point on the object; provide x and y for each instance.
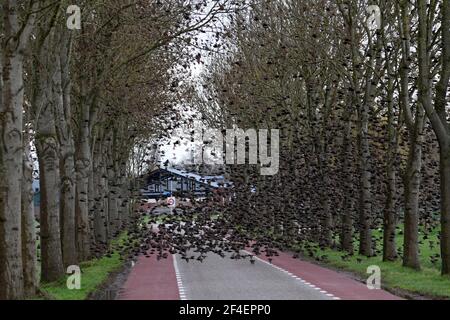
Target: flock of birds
(191, 232)
(246, 223)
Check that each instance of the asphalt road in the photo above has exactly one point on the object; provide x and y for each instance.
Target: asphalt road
(219, 278)
(225, 279)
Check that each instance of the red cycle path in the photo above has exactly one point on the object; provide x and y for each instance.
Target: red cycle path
(334, 282)
(151, 279)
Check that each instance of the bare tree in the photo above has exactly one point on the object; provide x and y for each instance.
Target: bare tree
(435, 100)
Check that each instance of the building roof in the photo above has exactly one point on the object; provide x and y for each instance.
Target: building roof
(213, 181)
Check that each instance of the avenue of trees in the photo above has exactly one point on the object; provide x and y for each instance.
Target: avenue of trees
(82, 99)
(362, 111)
(363, 119)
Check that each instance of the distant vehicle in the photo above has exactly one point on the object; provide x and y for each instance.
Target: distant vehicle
(165, 194)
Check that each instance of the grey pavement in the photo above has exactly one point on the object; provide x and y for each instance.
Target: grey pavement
(226, 279)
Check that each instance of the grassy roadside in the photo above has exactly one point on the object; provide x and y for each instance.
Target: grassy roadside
(427, 282)
(93, 274)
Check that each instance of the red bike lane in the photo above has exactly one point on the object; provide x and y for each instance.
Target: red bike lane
(151, 279)
(337, 284)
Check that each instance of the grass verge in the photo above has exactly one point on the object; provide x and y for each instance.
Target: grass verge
(93, 274)
(427, 282)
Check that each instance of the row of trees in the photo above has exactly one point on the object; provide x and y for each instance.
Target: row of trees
(89, 100)
(363, 114)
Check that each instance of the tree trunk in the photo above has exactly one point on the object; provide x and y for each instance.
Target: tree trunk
(83, 166)
(365, 200)
(445, 208)
(412, 189)
(347, 219)
(11, 146)
(113, 212)
(100, 211)
(390, 218)
(113, 176)
(29, 254)
(61, 94)
(47, 150)
(327, 219)
(91, 203)
(123, 197)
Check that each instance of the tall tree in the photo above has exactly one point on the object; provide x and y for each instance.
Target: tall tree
(16, 27)
(435, 100)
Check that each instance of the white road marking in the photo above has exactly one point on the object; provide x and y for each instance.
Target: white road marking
(181, 290)
(295, 277)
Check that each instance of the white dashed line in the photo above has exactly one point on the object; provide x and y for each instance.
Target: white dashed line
(181, 290)
(332, 296)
